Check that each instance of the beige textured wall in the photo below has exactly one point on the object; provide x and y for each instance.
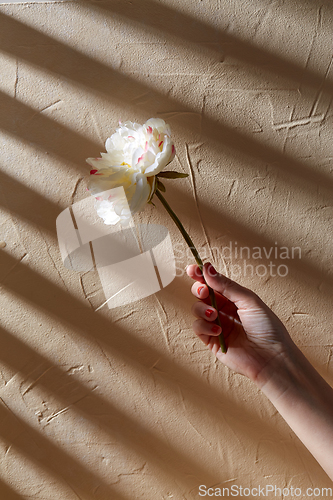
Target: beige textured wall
(126, 404)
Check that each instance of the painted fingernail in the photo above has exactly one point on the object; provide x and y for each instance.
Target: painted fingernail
(211, 270)
(200, 288)
(216, 329)
(209, 312)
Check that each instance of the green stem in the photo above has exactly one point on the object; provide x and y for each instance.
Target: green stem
(197, 258)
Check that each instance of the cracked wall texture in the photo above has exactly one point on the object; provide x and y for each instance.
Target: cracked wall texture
(127, 404)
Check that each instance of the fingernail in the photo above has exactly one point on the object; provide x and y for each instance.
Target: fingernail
(209, 312)
(216, 329)
(200, 288)
(211, 270)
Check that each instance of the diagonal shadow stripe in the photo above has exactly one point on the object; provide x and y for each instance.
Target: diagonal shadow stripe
(82, 70)
(8, 493)
(31, 286)
(47, 135)
(45, 454)
(27, 204)
(160, 18)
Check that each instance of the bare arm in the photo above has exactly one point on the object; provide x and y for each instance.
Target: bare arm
(305, 401)
(260, 347)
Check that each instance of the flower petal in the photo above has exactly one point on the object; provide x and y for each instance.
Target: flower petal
(141, 194)
(110, 178)
(105, 210)
(162, 158)
(159, 125)
(137, 154)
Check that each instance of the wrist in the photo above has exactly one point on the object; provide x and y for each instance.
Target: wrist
(285, 373)
(291, 380)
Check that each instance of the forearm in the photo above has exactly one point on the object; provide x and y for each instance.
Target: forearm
(304, 400)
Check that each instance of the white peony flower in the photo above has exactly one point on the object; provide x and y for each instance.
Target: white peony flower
(135, 155)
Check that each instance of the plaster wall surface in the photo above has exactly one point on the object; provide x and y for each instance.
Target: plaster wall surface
(127, 403)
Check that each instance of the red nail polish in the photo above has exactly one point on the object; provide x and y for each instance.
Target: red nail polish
(211, 270)
(209, 312)
(200, 288)
(216, 329)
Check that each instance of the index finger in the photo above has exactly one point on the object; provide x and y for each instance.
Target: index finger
(194, 272)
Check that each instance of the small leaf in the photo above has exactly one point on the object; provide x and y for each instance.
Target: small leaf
(151, 203)
(153, 190)
(170, 174)
(160, 186)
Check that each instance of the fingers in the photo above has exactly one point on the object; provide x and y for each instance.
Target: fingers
(205, 330)
(200, 290)
(202, 311)
(204, 327)
(193, 270)
(242, 297)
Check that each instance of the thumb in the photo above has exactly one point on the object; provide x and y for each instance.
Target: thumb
(242, 297)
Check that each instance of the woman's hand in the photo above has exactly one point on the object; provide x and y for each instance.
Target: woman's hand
(260, 347)
(255, 337)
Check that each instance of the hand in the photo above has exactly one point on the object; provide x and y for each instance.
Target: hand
(260, 347)
(254, 336)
